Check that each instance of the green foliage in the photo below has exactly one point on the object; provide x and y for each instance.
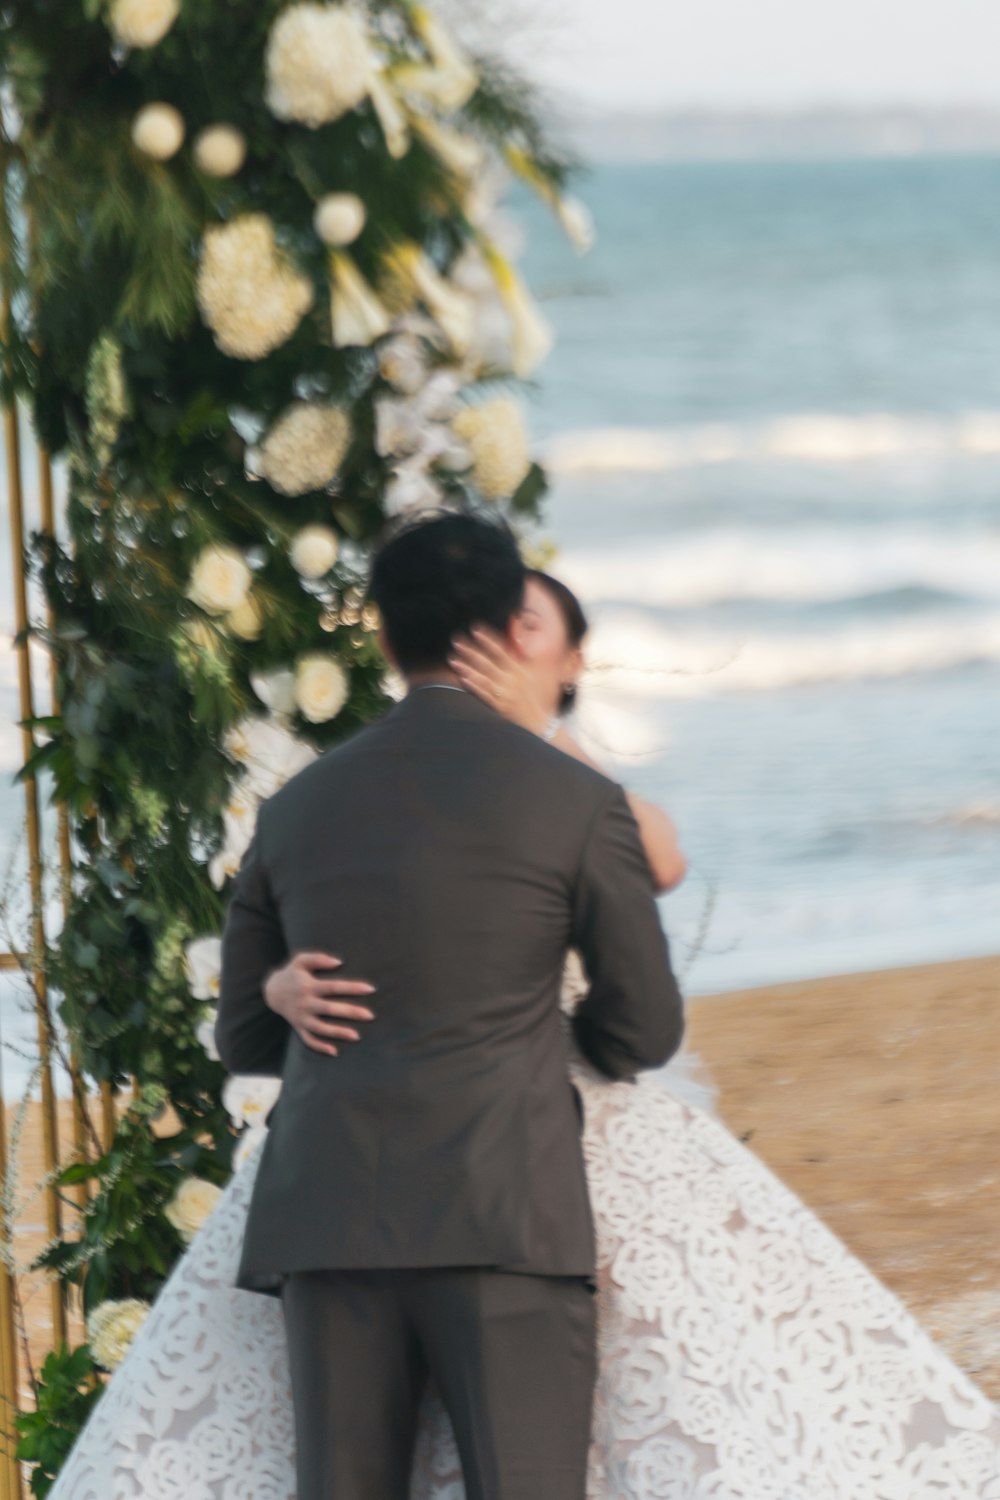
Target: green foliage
(100, 246)
(65, 1391)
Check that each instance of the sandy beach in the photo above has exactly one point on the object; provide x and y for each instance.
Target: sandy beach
(875, 1096)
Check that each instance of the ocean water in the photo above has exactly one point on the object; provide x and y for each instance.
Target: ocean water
(772, 421)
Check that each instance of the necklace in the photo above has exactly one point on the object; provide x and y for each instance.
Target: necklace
(452, 686)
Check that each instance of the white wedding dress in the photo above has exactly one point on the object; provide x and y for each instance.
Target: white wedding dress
(744, 1353)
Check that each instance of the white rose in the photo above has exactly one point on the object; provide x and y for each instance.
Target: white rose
(401, 362)
(247, 619)
(202, 967)
(339, 218)
(220, 150)
(111, 1327)
(314, 551)
(497, 440)
(411, 488)
(191, 1205)
(238, 820)
(220, 579)
(142, 23)
(158, 130)
(305, 448)
(317, 64)
(321, 687)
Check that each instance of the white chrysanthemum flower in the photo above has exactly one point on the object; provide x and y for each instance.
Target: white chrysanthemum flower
(270, 753)
(247, 1097)
(357, 317)
(305, 448)
(203, 966)
(220, 150)
(314, 551)
(191, 1205)
(220, 579)
(250, 296)
(111, 1327)
(322, 687)
(496, 437)
(317, 64)
(339, 218)
(158, 130)
(246, 620)
(142, 23)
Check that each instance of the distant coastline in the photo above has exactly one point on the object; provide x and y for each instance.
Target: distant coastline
(816, 133)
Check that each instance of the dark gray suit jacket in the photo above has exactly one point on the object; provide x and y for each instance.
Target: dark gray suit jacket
(450, 858)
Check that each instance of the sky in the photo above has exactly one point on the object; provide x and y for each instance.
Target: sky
(675, 54)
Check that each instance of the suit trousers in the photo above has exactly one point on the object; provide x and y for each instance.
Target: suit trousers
(513, 1357)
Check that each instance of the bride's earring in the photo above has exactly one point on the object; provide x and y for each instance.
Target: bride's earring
(569, 694)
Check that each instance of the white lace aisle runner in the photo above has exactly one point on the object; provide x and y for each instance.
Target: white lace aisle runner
(745, 1354)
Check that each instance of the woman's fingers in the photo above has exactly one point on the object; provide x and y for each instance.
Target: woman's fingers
(317, 961)
(317, 1027)
(316, 1045)
(340, 987)
(342, 1008)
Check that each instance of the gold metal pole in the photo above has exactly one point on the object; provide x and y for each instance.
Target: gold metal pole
(50, 1138)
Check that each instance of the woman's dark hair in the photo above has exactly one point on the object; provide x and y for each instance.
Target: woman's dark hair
(440, 574)
(574, 620)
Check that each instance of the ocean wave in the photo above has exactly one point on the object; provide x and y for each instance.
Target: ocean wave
(632, 656)
(817, 564)
(808, 437)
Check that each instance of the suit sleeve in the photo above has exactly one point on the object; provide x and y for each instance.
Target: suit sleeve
(249, 1036)
(632, 1016)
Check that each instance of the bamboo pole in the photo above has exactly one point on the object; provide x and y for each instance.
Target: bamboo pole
(47, 513)
(10, 1469)
(50, 1138)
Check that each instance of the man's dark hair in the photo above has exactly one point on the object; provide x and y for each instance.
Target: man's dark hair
(439, 576)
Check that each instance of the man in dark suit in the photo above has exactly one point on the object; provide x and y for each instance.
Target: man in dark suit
(421, 1202)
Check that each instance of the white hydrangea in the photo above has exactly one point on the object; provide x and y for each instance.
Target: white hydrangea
(305, 448)
(111, 1327)
(220, 150)
(158, 130)
(317, 64)
(142, 23)
(191, 1205)
(339, 218)
(322, 687)
(314, 551)
(220, 579)
(495, 435)
(249, 294)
